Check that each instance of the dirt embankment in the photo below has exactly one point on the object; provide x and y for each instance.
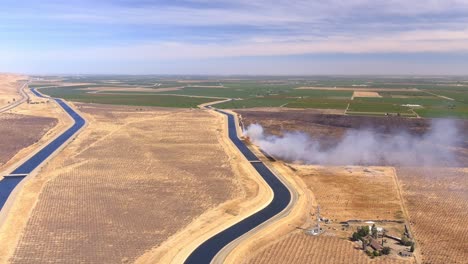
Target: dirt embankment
(130, 181)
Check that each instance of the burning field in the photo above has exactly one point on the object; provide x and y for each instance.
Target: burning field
(396, 171)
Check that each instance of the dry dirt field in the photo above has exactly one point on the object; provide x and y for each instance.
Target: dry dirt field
(365, 94)
(9, 88)
(20, 131)
(128, 182)
(437, 202)
(353, 192)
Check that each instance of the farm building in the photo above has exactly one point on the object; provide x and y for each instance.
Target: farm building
(375, 244)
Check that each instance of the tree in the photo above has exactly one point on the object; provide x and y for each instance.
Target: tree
(363, 231)
(355, 236)
(386, 250)
(360, 233)
(374, 231)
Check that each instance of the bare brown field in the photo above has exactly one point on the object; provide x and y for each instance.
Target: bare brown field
(127, 183)
(353, 192)
(366, 94)
(20, 131)
(43, 109)
(300, 248)
(437, 201)
(9, 88)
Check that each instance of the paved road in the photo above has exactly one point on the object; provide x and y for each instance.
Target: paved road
(9, 182)
(282, 196)
(24, 97)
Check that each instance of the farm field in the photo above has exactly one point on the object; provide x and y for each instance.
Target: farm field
(21, 131)
(438, 211)
(110, 196)
(338, 191)
(358, 96)
(434, 198)
(28, 126)
(340, 194)
(298, 247)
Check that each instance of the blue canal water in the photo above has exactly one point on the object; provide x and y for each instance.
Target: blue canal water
(7, 184)
(208, 250)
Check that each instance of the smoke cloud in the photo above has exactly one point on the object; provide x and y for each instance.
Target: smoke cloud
(364, 146)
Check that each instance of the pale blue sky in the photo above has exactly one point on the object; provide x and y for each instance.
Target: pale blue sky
(234, 37)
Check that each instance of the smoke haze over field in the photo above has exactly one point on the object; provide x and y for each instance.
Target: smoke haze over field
(364, 146)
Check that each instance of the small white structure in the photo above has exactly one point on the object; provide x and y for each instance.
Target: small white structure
(412, 105)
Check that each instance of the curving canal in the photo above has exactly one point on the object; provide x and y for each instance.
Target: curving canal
(208, 250)
(9, 182)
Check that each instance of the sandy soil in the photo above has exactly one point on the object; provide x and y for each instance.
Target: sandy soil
(437, 201)
(365, 94)
(127, 183)
(9, 88)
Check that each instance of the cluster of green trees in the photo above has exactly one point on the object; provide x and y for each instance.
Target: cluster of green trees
(362, 234)
(364, 231)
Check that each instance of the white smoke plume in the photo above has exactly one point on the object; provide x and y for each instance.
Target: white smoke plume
(364, 146)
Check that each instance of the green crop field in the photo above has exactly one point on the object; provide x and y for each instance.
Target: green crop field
(432, 94)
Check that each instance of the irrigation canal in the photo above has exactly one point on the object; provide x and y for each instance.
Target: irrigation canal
(9, 182)
(208, 249)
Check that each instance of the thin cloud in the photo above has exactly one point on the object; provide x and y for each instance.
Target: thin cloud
(85, 30)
